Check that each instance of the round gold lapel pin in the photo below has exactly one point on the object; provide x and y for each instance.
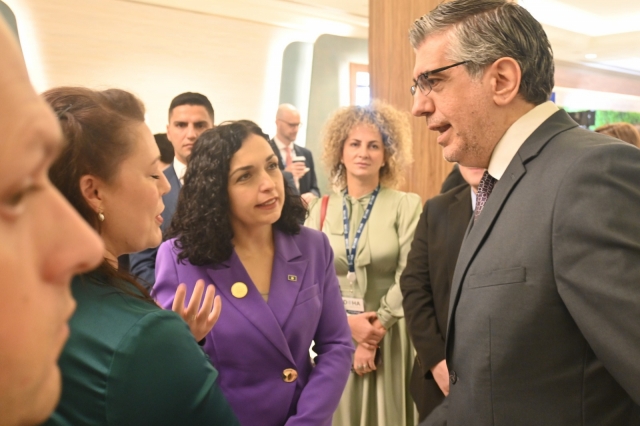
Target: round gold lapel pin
(239, 290)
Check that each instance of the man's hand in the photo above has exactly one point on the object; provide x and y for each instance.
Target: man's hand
(441, 375)
(297, 169)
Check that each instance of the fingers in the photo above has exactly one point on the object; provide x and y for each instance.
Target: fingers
(209, 312)
(370, 316)
(372, 337)
(215, 313)
(194, 302)
(207, 303)
(178, 300)
(363, 360)
(371, 363)
(369, 346)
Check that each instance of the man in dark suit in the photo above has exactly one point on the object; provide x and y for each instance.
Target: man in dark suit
(190, 114)
(304, 173)
(544, 314)
(426, 283)
(288, 176)
(453, 179)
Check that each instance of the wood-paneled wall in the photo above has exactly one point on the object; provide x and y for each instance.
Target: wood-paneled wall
(391, 61)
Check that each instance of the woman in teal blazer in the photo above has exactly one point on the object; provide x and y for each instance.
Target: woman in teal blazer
(127, 362)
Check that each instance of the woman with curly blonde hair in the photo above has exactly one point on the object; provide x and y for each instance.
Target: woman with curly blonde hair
(370, 226)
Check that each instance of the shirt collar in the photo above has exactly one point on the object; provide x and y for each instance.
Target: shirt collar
(515, 136)
(180, 169)
(281, 145)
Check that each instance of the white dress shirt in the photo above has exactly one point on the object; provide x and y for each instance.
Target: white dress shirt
(283, 154)
(282, 147)
(474, 197)
(180, 169)
(515, 136)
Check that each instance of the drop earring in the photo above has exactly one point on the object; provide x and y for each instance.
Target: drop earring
(100, 215)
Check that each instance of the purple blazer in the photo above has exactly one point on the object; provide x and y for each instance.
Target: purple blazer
(254, 342)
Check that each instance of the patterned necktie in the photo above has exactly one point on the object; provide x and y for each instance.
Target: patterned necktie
(484, 190)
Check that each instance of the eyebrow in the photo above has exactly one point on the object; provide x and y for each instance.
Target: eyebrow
(367, 141)
(245, 168)
(186, 122)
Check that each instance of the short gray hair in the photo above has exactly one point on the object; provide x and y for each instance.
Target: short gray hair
(483, 31)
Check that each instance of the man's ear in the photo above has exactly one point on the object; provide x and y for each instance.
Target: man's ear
(505, 80)
(91, 188)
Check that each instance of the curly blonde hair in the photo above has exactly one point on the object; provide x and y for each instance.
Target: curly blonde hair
(394, 128)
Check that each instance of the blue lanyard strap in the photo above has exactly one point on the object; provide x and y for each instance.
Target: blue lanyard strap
(351, 254)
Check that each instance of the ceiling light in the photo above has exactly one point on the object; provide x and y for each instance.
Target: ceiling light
(591, 56)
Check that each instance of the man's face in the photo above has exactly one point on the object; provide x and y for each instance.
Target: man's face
(43, 243)
(459, 108)
(288, 125)
(186, 123)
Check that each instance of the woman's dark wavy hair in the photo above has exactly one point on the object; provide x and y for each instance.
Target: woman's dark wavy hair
(201, 222)
(97, 128)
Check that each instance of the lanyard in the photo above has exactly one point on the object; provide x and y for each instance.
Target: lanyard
(351, 253)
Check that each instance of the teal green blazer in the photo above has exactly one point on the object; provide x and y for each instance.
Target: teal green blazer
(128, 362)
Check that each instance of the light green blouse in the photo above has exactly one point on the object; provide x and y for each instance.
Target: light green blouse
(382, 251)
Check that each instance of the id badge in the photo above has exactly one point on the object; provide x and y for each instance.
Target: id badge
(353, 305)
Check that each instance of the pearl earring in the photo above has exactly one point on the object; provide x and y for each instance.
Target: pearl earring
(100, 216)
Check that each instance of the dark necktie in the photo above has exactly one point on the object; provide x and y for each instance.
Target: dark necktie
(484, 190)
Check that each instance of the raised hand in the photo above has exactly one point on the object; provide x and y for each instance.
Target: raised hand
(202, 320)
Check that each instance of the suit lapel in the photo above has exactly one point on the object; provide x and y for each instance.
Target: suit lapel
(477, 233)
(170, 199)
(276, 150)
(172, 177)
(252, 306)
(286, 277)
(305, 180)
(458, 216)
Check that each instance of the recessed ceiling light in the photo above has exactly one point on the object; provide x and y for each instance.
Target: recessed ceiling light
(591, 56)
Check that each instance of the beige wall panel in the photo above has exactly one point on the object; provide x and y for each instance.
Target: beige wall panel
(391, 61)
(158, 53)
(582, 77)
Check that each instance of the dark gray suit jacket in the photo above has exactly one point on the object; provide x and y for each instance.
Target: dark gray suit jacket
(143, 264)
(308, 182)
(426, 284)
(544, 323)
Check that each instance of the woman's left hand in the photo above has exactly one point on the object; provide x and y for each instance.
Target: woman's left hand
(364, 360)
(201, 321)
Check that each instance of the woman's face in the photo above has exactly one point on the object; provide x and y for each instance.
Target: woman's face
(43, 243)
(363, 153)
(132, 202)
(256, 186)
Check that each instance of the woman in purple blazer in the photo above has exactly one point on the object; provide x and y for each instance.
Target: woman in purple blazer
(236, 226)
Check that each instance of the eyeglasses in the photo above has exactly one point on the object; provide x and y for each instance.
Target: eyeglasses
(292, 125)
(423, 82)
